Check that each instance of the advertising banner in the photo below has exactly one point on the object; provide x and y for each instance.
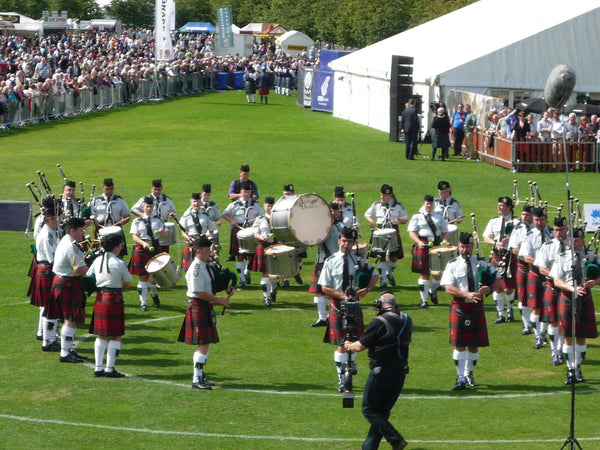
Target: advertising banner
(322, 95)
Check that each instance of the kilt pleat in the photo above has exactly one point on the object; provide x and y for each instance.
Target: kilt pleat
(586, 321)
(535, 290)
(477, 334)
(67, 300)
(108, 318)
(420, 259)
(315, 287)
(521, 275)
(41, 284)
(197, 327)
(139, 259)
(550, 307)
(334, 333)
(257, 261)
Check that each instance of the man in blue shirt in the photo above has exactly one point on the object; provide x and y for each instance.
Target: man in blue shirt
(458, 128)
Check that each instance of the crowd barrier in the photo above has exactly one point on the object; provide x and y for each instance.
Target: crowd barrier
(537, 156)
(41, 108)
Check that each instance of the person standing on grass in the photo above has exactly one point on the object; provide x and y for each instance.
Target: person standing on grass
(264, 85)
(388, 338)
(468, 329)
(410, 126)
(200, 324)
(108, 319)
(458, 128)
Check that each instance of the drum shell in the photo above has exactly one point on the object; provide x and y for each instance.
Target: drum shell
(107, 231)
(453, 232)
(171, 239)
(439, 257)
(246, 240)
(384, 240)
(281, 261)
(301, 220)
(163, 270)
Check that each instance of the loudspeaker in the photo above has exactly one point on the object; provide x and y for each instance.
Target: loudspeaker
(401, 90)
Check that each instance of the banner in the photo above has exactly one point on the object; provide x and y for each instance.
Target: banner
(225, 32)
(322, 95)
(305, 87)
(164, 21)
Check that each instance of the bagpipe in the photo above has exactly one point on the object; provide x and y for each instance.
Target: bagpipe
(223, 279)
(484, 275)
(363, 271)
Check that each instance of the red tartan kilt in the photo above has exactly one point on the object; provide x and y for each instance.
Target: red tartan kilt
(262, 90)
(521, 275)
(550, 308)
(508, 283)
(197, 328)
(187, 257)
(139, 259)
(477, 335)
(31, 274)
(315, 287)
(108, 318)
(334, 334)
(41, 285)
(535, 290)
(67, 300)
(257, 261)
(586, 328)
(420, 259)
(234, 246)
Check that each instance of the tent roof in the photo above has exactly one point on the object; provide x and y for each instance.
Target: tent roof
(263, 29)
(295, 36)
(198, 27)
(437, 46)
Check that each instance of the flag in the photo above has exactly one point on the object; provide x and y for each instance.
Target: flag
(164, 23)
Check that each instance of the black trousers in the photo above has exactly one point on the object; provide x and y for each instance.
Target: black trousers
(459, 136)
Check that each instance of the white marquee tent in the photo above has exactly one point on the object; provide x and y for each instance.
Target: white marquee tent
(485, 48)
(294, 42)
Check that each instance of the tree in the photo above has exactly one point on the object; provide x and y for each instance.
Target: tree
(194, 11)
(79, 9)
(135, 13)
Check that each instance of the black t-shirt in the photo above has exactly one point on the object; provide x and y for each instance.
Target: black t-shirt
(381, 338)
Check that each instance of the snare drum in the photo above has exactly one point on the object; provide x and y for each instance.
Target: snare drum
(384, 240)
(281, 261)
(360, 249)
(453, 231)
(439, 257)
(171, 239)
(246, 240)
(163, 270)
(107, 231)
(301, 220)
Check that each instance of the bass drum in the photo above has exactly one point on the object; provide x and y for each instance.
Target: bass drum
(301, 220)
(163, 270)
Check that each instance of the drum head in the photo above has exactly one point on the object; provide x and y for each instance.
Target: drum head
(105, 231)
(278, 248)
(307, 219)
(158, 262)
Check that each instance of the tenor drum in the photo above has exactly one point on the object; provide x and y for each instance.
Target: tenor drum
(384, 240)
(360, 249)
(171, 239)
(281, 261)
(107, 231)
(453, 231)
(163, 270)
(439, 257)
(247, 241)
(301, 220)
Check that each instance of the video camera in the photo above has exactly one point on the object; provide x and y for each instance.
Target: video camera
(433, 107)
(351, 315)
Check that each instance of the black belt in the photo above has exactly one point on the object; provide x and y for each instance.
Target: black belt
(108, 290)
(45, 262)
(68, 278)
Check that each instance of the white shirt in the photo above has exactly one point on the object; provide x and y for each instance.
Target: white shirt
(533, 242)
(114, 209)
(119, 273)
(241, 213)
(493, 228)
(46, 244)
(449, 208)
(382, 213)
(67, 257)
(187, 221)
(418, 223)
(163, 206)
(455, 273)
(139, 227)
(332, 274)
(198, 279)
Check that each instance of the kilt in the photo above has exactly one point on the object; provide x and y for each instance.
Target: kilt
(334, 334)
(234, 245)
(187, 256)
(250, 87)
(315, 287)
(263, 90)
(550, 307)
(139, 259)
(31, 271)
(535, 290)
(585, 328)
(197, 327)
(474, 336)
(67, 300)
(521, 275)
(420, 259)
(441, 141)
(108, 318)
(508, 283)
(257, 261)
(42, 284)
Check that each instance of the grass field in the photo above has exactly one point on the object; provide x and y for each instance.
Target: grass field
(275, 378)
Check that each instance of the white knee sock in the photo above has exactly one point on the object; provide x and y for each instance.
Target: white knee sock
(433, 284)
(67, 334)
(111, 354)
(40, 330)
(535, 323)
(460, 359)
(553, 333)
(525, 315)
(471, 361)
(199, 362)
(499, 299)
(321, 307)
(99, 349)
(49, 333)
(568, 350)
(340, 359)
(153, 289)
(579, 353)
(423, 289)
(143, 291)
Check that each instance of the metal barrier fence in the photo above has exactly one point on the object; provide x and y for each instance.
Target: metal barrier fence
(537, 156)
(41, 108)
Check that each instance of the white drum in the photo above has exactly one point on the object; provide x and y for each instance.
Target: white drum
(281, 261)
(453, 231)
(163, 270)
(384, 240)
(360, 249)
(246, 240)
(439, 257)
(171, 239)
(301, 220)
(107, 231)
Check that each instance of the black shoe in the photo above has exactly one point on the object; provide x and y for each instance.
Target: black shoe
(144, 308)
(206, 382)
(51, 347)
(70, 358)
(400, 445)
(298, 279)
(538, 343)
(391, 279)
(526, 331)
(77, 355)
(470, 380)
(434, 298)
(39, 337)
(500, 319)
(382, 285)
(319, 323)
(156, 301)
(424, 305)
(460, 384)
(570, 377)
(555, 360)
(247, 278)
(268, 300)
(285, 283)
(510, 317)
(99, 373)
(201, 384)
(545, 340)
(579, 376)
(114, 374)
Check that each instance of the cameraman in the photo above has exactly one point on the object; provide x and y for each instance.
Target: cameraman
(337, 279)
(387, 338)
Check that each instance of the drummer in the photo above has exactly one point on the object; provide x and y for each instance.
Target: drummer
(145, 231)
(387, 213)
(212, 210)
(241, 213)
(110, 210)
(258, 260)
(196, 223)
(339, 197)
(288, 191)
(446, 205)
(427, 229)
